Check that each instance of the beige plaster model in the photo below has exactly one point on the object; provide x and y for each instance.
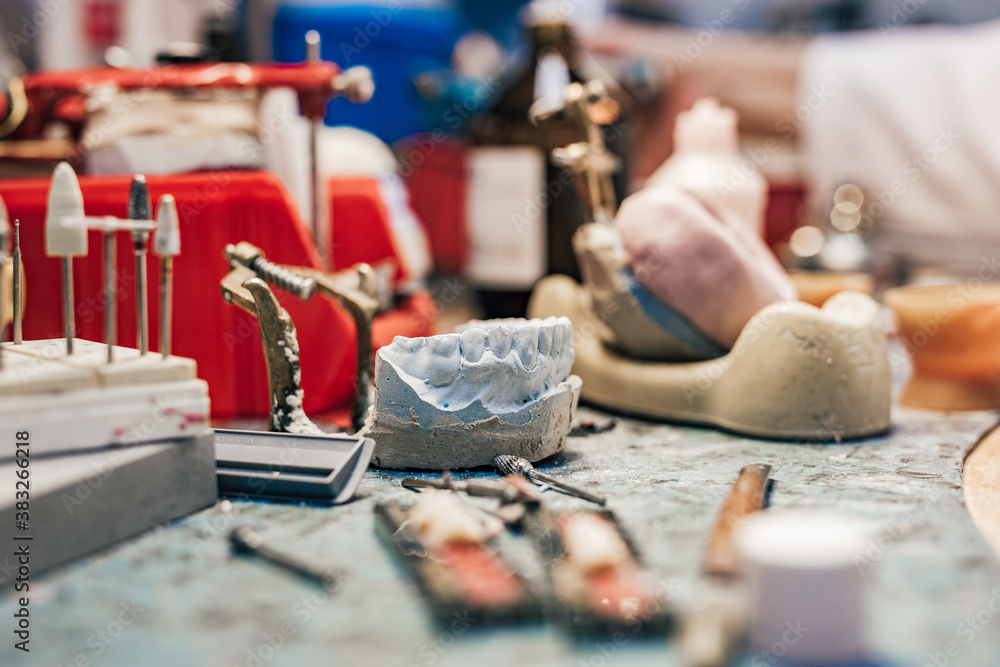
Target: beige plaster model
(796, 371)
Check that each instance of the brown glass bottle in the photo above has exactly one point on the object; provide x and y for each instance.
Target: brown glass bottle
(507, 123)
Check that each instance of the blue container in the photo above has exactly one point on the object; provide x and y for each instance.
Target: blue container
(396, 43)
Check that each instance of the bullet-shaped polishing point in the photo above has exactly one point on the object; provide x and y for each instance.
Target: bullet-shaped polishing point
(167, 241)
(138, 199)
(65, 199)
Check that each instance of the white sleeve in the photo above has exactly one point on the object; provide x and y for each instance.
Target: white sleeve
(913, 116)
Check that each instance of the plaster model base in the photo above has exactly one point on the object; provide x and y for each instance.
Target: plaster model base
(458, 400)
(796, 372)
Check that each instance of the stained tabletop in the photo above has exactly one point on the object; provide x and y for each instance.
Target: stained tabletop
(177, 596)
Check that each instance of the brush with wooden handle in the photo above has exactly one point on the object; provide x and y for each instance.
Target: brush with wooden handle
(712, 633)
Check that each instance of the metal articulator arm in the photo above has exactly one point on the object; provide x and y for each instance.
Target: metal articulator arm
(355, 289)
(589, 106)
(242, 287)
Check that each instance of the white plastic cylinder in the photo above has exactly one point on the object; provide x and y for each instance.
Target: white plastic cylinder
(805, 586)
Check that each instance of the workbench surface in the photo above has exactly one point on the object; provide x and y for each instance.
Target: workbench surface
(176, 596)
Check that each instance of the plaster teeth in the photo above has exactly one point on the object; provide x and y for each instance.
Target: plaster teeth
(545, 335)
(473, 344)
(502, 364)
(526, 343)
(500, 341)
(443, 370)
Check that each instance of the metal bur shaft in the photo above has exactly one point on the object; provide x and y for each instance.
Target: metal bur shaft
(110, 294)
(139, 209)
(515, 465)
(18, 334)
(166, 244)
(4, 237)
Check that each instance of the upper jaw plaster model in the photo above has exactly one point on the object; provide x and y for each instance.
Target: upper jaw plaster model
(457, 400)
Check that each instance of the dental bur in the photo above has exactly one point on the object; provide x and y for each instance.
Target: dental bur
(64, 240)
(166, 245)
(515, 465)
(110, 292)
(138, 209)
(4, 237)
(18, 318)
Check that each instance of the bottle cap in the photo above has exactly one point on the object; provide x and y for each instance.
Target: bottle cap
(708, 127)
(805, 585)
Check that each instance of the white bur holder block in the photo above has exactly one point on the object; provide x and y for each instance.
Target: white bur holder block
(806, 602)
(65, 201)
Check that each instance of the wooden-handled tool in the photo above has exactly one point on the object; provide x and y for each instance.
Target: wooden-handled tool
(714, 629)
(747, 496)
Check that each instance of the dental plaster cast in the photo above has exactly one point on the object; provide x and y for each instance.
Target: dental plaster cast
(796, 371)
(678, 279)
(458, 400)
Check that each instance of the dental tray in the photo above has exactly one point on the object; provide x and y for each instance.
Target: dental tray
(282, 466)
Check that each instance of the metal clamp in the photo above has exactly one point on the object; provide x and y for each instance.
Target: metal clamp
(241, 287)
(355, 289)
(588, 106)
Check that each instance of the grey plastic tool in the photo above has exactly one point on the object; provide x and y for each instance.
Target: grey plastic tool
(283, 466)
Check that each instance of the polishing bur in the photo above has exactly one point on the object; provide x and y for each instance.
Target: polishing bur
(138, 209)
(4, 238)
(65, 241)
(166, 244)
(18, 336)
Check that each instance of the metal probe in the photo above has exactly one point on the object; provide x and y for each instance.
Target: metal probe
(4, 238)
(515, 465)
(18, 336)
(138, 209)
(110, 293)
(246, 540)
(321, 230)
(166, 244)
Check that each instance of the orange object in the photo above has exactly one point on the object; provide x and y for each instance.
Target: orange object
(952, 334)
(815, 287)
